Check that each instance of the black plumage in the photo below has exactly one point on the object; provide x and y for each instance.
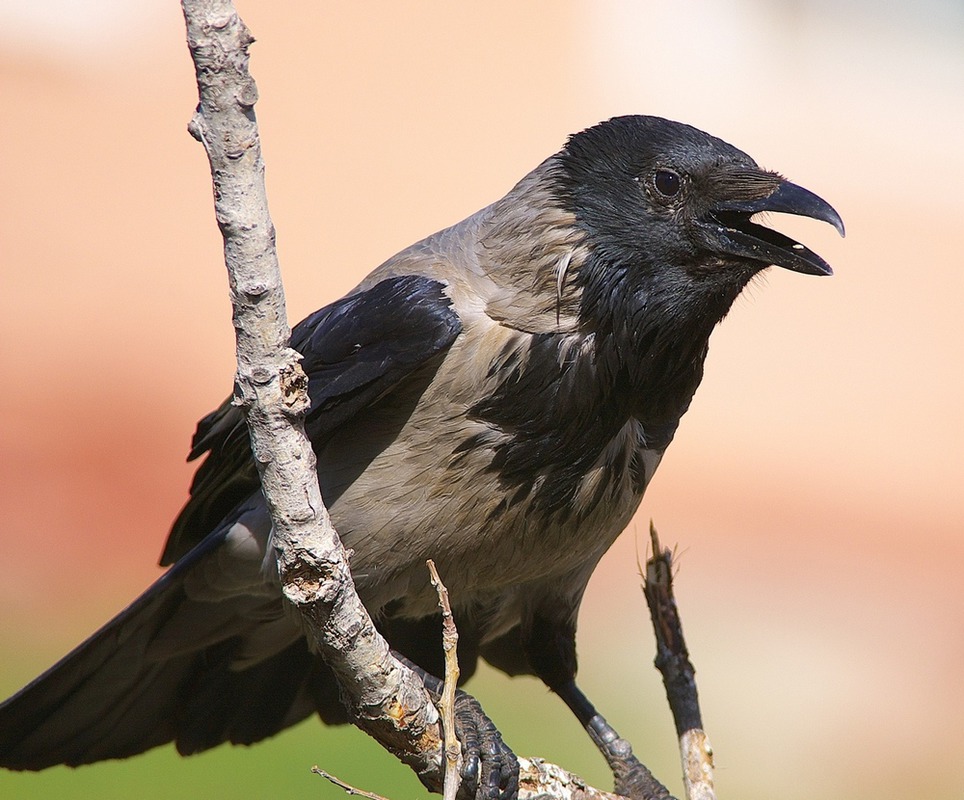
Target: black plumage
(495, 397)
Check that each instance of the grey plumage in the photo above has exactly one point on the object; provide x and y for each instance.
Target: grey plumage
(495, 397)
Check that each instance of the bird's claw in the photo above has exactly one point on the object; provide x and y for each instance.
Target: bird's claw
(634, 780)
(490, 770)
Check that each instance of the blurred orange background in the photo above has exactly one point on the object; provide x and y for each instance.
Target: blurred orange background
(813, 490)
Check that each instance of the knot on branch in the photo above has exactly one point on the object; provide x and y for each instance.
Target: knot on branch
(196, 126)
(247, 95)
(294, 386)
(310, 580)
(261, 375)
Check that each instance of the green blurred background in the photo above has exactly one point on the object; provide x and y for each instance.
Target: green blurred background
(813, 489)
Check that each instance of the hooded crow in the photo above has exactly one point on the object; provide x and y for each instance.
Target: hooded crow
(495, 397)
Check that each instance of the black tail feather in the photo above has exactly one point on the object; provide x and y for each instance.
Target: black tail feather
(119, 694)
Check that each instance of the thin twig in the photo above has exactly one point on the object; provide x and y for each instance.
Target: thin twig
(679, 676)
(346, 786)
(450, 641)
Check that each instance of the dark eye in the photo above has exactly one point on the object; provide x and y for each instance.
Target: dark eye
(667, 182)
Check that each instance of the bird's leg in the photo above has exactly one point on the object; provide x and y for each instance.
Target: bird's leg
(631, 777)
(551, 649)
(490, 770)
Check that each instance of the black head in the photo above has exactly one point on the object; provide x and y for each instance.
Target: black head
(657, 195)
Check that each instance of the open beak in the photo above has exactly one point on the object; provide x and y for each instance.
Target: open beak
(730, 230)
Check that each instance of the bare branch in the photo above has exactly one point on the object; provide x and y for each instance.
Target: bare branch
(679, 676)
(387, 699)
(540, 780)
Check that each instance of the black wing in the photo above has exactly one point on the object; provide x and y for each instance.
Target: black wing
(165, 668)
(354, 351)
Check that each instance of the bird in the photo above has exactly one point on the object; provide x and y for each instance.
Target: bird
(495, 397)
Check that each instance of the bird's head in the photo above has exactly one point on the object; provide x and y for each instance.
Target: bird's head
(661, 195)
